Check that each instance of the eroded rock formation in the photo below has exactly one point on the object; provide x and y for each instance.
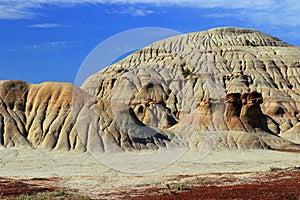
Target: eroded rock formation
(233, 111)
(152, 105)
(63, 117)
(151, 98)
(243, 113)
(237, 82)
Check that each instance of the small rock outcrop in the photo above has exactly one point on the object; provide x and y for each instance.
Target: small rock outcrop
(243, 113)
(233, 112)
(237, 82)
(251, 114)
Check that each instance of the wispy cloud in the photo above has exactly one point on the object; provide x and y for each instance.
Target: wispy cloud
(16, 10)
(47, 45)
(131, 10)
(46, 25)
(274, 12)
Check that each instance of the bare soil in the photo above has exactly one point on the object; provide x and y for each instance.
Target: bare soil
(15, 187)
(273, 185)
(281, 184)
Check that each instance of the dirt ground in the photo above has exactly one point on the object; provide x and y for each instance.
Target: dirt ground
(16, 187)
(278, 185)
(273, 184)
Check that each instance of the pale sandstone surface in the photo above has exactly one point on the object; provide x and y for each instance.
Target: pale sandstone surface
(83, 173)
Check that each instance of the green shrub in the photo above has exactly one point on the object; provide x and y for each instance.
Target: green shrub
(181, 187)
(275, 169)
(186, 72)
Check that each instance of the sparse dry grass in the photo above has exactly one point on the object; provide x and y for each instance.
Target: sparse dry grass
(57, 195)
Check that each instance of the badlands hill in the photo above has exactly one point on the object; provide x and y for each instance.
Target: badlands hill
(226, 87)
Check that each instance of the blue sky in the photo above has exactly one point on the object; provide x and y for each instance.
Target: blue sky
(47, 40)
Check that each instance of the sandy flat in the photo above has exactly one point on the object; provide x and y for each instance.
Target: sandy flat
(87, 174)
(38, 163)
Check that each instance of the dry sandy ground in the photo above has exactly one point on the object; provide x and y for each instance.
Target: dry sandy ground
(85, 174)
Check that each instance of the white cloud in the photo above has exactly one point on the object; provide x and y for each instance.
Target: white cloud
(273, 12)
(47, 45)
(131, 10)
(45, 25)
(13, 10)
(58, 44)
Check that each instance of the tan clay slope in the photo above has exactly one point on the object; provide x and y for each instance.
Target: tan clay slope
(211, 66)
(63, 117)
(35, 115)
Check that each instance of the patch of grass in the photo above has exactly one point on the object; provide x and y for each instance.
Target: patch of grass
(57, 195)
(275, 169)
(182, 187)
(186, 72)
(201, 180)
(295, 168)
(170, 189)
(173, 189)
